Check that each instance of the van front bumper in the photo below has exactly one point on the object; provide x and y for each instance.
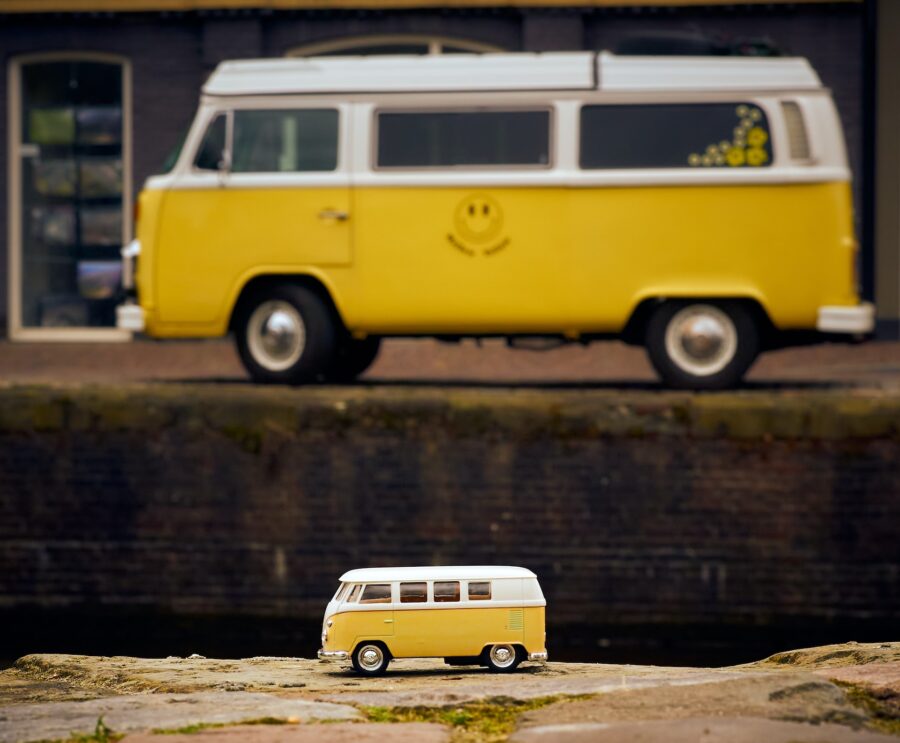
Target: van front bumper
(333, 654)
(130, 316)
(854, 320)
(541, 656)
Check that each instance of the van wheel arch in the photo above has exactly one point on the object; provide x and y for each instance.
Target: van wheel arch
(635, 330)
(259, 285)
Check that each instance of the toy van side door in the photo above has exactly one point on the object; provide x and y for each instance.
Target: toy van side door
(374, 616)
(265, 191)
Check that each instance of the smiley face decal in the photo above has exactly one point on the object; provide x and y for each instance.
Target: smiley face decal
(478, 226)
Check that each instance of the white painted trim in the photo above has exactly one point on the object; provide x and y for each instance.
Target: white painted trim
(344, 608)
(438, 573)
(14, 202)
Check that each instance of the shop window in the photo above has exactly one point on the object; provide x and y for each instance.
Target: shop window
(392, 44)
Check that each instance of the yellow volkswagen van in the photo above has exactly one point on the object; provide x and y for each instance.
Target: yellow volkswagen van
(700, 207)
(486, 615)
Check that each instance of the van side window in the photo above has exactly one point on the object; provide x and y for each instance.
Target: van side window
(674, 135)
(353, 594)
(446, 590)
(285, 141)
(213, 146)
(413, 593)
(476, 138)
(479, 591)
(340, 592)
(376, 593)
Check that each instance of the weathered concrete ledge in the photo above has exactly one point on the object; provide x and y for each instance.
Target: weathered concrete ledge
(247, 413)
(801, 696)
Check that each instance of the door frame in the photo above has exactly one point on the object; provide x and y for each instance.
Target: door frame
(14, 202)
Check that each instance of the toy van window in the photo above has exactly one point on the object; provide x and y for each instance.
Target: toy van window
(479, 591)
(285, 141)
(413, 593)
(342, 588)
(463, 138)
(376, 593)
(353, 594)
(446, 591)
(213, 146)
(694, 135)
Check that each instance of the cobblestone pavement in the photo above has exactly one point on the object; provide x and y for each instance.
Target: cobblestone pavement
(790, 697)
(430, 362)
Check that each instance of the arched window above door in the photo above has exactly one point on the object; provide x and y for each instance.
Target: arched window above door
(392, 44)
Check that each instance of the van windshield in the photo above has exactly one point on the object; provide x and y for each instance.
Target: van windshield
(173, 155)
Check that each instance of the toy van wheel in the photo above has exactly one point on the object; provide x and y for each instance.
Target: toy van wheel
(702, 345)
(285, 335)
(351, 358)
(502, 658)
(370, 659)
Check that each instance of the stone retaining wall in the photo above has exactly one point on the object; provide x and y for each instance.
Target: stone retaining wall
(746, 509)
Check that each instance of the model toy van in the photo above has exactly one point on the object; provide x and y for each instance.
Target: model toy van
(700, 207)
(486, 615)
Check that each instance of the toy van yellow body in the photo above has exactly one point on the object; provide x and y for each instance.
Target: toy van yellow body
(698, 206)
(478, 615)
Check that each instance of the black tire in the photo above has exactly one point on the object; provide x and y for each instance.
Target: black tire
(352, 357)
(266, 318)
(370, 658)
(725, 343)
(499, 663)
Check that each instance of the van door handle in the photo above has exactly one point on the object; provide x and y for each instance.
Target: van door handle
(335, 214)
(388, 621)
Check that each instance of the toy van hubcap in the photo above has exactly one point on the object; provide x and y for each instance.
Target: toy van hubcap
(371, 657)
(503, 656)
(701, 339)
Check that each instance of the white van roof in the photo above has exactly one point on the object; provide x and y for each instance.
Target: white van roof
(508, 72)
(440, 572)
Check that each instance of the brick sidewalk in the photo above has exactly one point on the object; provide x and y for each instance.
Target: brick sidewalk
(875, 364)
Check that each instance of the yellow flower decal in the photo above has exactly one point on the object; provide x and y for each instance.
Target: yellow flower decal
(735, 157)
(757, 137)
(694, 159)
(756, 156)
(742, 111)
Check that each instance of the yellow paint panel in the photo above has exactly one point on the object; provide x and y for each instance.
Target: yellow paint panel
(440, 632)
(504, 260)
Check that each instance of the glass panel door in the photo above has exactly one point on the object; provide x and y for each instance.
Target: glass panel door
(71, 193)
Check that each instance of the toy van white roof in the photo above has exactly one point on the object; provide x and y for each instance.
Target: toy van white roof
(442, 572)
(508, 72)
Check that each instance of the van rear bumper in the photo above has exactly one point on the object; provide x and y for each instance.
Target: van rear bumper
(541, 656)
(854, 320)
(333, 654)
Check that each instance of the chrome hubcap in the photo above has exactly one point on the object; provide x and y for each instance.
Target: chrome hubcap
(701, 339)
(503, 655)
(371, 657)
(276, 335)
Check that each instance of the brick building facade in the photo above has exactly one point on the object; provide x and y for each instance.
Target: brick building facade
(158, 53)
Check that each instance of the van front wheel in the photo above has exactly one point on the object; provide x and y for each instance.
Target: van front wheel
(702, 345)
(502, 658)
(370, 659)
(285, 335)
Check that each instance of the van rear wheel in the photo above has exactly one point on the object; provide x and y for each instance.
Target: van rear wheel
(370, 659)
(502, 658)
(352, 357)
(285, 335)
(702, 345)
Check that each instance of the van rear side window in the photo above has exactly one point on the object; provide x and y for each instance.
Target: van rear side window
(479, 591)
(458, 138)
(285, 141)
(675, 135)
(446, 591)
(376, 593)
(413, 593)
